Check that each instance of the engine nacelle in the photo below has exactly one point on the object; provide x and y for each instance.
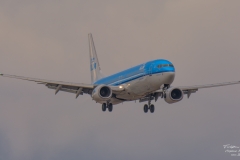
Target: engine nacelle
(173, 95)
(102, 93)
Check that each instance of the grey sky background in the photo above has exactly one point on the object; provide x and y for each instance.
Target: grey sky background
(48, 39)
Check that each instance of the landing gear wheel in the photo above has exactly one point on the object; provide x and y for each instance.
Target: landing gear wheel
(110, 107)
(152, 108)
(145, 108)
(104, 107)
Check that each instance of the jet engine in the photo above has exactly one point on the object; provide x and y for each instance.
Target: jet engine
(102, 93)
(173, 95)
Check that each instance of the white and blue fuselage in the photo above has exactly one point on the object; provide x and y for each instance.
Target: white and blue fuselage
(140, 80)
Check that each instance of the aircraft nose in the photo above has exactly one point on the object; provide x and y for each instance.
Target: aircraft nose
(169, 77)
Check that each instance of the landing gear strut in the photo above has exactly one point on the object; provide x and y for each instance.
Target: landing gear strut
(166, 86)
(107, 105)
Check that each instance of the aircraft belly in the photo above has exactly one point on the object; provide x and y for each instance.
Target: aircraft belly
(115, 101)
(112, 100)
(138, 88)
(141, 87)
(134, 89)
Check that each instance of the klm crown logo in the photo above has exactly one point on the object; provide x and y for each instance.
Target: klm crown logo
(93, 64)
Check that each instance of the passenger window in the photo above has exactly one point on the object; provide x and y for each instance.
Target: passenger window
(165, 65)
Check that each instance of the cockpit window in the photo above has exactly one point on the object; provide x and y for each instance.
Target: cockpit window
(165, 65)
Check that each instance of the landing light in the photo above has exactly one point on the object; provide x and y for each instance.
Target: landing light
(120, 87)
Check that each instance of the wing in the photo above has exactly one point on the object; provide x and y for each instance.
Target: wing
(186, 90)
(192, 89)
(76, 88)
(208, 85)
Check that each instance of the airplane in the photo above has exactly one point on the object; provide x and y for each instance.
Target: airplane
(145, 82)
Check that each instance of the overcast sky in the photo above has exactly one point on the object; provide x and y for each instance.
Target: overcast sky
(48, 39)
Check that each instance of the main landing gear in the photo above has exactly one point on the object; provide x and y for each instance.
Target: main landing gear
(108, 105)
(150, 107)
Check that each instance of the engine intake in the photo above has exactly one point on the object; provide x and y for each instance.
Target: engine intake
(102, 93)
(173, 95)
(105, 92)
(176, 94)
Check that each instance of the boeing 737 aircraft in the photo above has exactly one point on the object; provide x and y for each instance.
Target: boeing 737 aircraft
(144, 82)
